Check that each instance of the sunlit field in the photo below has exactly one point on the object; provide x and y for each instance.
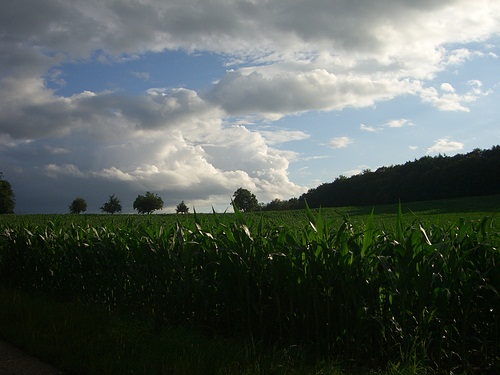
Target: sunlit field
(383, 285)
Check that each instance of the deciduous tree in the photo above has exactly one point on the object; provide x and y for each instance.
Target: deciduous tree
(112, 205)
(7, 202)
(182, 208)
(245, 200)
(145, 204)
(78, 205)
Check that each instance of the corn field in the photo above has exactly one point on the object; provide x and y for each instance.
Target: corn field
(415, 291)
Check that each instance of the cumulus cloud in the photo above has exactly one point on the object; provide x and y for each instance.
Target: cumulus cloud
(340, 142)
(444, 145)
(398, 123)
(196, 158)
(446, 87)
(310, 51)
(449, 100)
(284, 58)
(166, 140)
(55, 171)
(367, 128)
(274, 96)
(395, 123)
(244, 26)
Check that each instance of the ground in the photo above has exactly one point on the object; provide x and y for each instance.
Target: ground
(14, 361)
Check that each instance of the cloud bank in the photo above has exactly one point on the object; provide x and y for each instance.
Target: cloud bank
(283, 58)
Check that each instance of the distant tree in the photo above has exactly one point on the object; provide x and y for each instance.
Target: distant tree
(182, 208)
(245, 200)
(78, 205)
(275, 205)
(7, 202)
(145, 204)
(112, 205)
(278, 204)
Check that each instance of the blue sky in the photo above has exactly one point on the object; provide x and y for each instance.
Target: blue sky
(193, 99)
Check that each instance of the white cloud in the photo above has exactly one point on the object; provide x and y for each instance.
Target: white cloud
(449, 99)
(282, 136)
(316, 157)
(288, 58)
(114, 173)
(164, 141)
(446, 87)
(398, 123)
(459, 56)
(367, 128)
(444, 145)
(55, 171)
(323, 57)
(340, 142)
(274, 96)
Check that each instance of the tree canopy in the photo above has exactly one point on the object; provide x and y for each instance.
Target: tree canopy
(428, 178)
(146, 204)
(245, 200)
(182, 208)
(7, 201)
(78, 205)
(112, 205)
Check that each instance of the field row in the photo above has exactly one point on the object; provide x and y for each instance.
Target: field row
(361, 291)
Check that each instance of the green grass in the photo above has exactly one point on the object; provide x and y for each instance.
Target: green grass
(407, 289)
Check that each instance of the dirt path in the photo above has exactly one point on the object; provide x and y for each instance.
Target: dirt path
(14, 361)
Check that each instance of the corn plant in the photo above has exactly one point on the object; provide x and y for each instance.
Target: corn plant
(417, 290)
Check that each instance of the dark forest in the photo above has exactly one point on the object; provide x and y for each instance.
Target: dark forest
(428, 178)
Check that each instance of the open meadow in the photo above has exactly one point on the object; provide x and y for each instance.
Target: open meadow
(400, 289)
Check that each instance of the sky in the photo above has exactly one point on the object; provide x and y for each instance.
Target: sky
(193, 99)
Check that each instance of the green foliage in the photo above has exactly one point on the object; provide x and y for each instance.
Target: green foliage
(429, 178)
(112, 205)
(146, 204)
(78, 205)
(182, 208)
(279, 205)
(245, 200)
(430, 292)
(7, 201)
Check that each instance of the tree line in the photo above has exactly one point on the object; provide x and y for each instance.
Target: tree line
(428, 178)
(243, 199)
(144, 204)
